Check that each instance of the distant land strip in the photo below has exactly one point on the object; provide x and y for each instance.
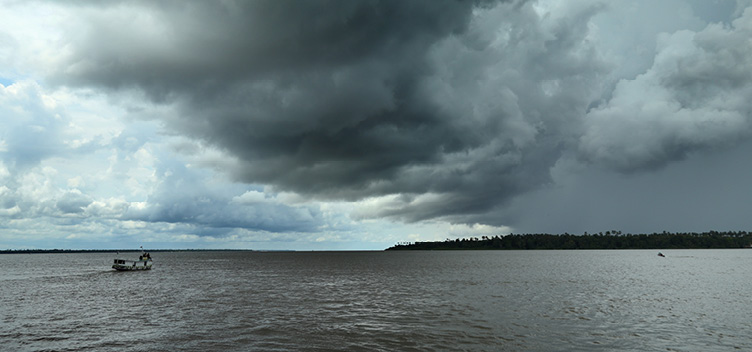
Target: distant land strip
(609, 240)
(30, 251)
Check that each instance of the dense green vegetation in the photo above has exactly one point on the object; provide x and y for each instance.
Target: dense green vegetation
(609, 240)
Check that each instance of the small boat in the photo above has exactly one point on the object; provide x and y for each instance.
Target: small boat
(660, 254)
(144, 262)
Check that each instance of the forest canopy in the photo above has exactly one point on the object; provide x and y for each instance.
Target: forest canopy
(608, 240)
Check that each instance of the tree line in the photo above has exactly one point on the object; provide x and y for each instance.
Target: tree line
(608, 240)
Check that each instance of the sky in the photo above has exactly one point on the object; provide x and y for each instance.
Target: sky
(348, 125)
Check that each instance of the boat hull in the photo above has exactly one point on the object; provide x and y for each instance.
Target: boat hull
(130, 267)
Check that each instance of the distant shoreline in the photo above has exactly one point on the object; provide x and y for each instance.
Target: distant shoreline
(43, 251)
(609, 240)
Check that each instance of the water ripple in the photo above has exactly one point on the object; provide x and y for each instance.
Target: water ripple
(379, 301)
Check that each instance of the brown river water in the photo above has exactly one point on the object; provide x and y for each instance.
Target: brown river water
(631, 300)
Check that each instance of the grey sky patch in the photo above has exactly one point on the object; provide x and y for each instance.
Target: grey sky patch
(714, 11)
(73, 203)
(699, 193)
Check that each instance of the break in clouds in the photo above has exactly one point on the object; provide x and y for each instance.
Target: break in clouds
(421, 109)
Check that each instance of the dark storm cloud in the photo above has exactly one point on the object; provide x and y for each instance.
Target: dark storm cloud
(456, 107)
(346, 100)
(197, 47)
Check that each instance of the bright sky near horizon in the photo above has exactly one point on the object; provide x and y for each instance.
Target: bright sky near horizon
(274, 124)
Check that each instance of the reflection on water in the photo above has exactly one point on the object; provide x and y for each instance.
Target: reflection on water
(694, 300)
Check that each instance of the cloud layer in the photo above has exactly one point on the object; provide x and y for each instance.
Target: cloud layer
(325, 115)
(424, 100)
(694, 97)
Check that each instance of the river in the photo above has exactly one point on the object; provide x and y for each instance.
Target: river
(611, 300)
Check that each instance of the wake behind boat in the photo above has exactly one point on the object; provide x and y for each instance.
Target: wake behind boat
(144, 262)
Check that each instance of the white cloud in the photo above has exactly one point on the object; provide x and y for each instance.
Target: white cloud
(250, 197)
(694, 97)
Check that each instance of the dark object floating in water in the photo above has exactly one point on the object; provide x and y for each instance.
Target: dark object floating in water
(660, 254)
